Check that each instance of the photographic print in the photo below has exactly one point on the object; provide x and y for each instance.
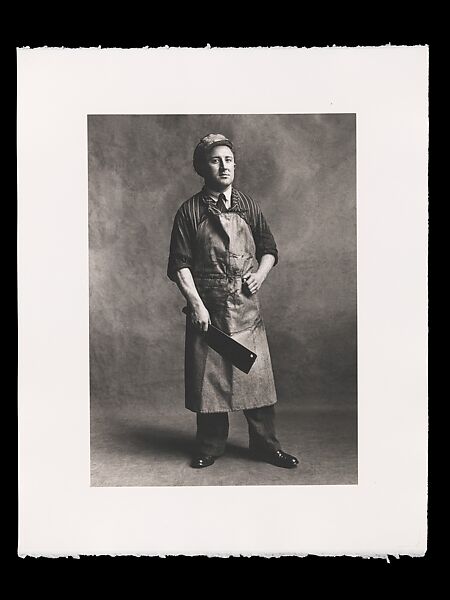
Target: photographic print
(247, 223)
(223, 301)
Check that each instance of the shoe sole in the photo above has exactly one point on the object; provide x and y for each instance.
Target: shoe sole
(201, 466)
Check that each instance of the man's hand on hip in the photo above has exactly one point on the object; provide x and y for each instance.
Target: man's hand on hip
(254, 282)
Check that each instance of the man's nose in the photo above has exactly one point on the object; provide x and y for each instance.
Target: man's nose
(223, 165)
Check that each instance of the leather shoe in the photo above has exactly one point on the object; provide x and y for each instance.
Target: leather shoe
(279, 459)
(199, 462)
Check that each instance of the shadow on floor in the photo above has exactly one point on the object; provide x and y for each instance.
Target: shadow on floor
(163, 441)
(135, 448)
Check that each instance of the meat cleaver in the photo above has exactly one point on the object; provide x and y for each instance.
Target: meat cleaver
(238, 355)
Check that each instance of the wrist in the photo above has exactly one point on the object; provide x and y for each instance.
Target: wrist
(195, 303)
(261, 274)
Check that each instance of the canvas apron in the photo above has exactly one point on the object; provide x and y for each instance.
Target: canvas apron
(224, 255)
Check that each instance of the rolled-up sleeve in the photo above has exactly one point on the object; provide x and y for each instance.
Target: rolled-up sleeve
(180, 254)
(264, 240)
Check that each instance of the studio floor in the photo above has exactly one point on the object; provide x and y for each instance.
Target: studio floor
(136, 446)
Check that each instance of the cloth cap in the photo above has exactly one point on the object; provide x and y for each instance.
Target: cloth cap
(206, 143)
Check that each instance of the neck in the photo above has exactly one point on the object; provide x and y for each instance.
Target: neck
(215, 192)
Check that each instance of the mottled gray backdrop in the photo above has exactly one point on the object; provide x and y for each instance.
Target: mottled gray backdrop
(302, 171)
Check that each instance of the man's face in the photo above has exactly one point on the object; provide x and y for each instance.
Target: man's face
(219, 168)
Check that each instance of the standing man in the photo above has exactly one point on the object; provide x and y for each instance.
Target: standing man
(221, 251)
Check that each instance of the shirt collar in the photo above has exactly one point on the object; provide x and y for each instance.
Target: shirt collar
(215, 195)
(232, 193)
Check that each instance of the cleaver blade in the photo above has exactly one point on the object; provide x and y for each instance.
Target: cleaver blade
(239, 356)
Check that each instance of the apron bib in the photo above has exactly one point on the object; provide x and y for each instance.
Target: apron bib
(224, 255)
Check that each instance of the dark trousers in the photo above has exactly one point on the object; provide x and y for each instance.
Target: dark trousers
(212, 431)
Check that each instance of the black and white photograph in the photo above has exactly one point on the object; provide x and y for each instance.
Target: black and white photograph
(247, 223)
(223, 301)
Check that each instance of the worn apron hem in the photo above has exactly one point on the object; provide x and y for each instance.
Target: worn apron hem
(246, 407)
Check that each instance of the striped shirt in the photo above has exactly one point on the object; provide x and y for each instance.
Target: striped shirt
(195, 209)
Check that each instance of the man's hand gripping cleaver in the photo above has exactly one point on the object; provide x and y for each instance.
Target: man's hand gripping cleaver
(240, 356)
